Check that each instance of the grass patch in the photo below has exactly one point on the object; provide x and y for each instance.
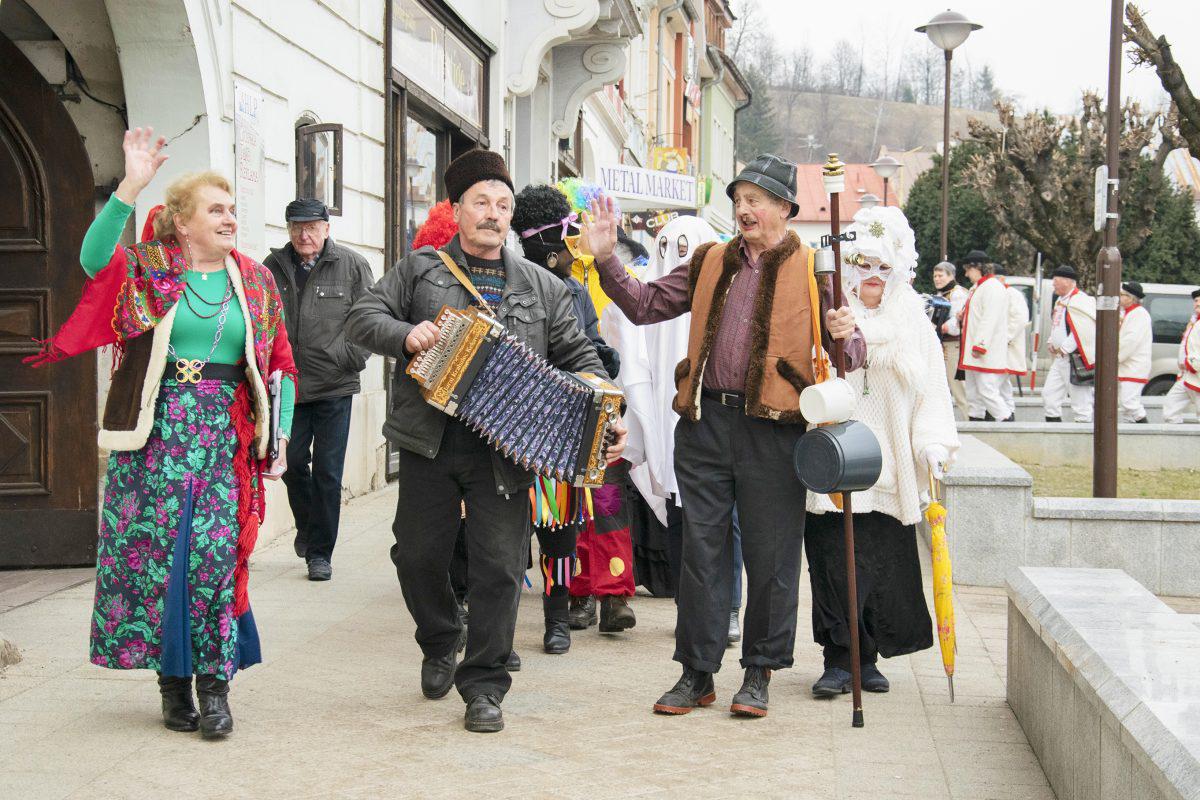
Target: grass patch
(1076, 481)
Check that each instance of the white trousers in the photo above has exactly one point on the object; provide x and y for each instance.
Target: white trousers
(1179, 401)
(1006, 391)
(1058, 389)
(1131, 401)
(985, 395)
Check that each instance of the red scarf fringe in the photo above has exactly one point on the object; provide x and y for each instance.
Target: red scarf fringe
(251, 504)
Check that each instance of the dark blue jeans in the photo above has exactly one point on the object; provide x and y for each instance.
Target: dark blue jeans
(316, 454)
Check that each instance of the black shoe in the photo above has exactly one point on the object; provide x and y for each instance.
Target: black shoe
(1010, 418)
(319, 569)
(735, 630)
(833, 681)
(557, 639)
(1143, 421)
(751, 699)
(483, 714)
(582, 613)
(215, 718)
(977, 419)
(437, 675)
(616, 615)
(987, 417)
(693, 689)
(178, 708)
(1053, 419)
(873, 680)
(300, 545)
(513, 664)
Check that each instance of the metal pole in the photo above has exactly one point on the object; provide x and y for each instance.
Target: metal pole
(839, 360)
(1108, 273)
(885, 182)
(946, 160)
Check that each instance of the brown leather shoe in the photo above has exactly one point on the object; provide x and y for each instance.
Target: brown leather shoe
(615, 614)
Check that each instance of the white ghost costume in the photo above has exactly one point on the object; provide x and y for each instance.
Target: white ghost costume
(649, 355)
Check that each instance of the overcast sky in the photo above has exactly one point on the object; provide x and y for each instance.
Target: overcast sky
(1043, 52)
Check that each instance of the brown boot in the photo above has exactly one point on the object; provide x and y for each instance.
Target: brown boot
(615, 614)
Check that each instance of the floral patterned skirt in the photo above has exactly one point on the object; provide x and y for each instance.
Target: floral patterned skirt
(168, 544)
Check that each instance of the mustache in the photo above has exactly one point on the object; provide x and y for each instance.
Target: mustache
(488, 225)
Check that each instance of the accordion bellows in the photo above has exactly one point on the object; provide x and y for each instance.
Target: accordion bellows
(550, 421)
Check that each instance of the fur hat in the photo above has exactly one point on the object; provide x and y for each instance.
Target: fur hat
(472, 167)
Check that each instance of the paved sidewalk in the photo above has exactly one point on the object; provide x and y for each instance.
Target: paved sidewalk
(336, 710)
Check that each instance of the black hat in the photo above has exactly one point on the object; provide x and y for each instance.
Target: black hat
(976, 257)
(306, 210)
(472, 167)
(776, 175)
(1065, 271)
(999, 269)
(1134, 288)
(1195, 294)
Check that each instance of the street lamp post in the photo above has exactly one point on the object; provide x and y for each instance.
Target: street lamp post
(869, 200)
(1104, 422)
(885, 168)
(947, 30)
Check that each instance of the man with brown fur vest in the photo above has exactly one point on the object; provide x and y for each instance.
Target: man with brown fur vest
(752, 349)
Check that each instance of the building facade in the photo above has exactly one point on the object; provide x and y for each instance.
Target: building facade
(361, 103)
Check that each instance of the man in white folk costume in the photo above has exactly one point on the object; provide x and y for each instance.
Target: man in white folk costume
(1073, 348)
(984, 343)
(944, 280)
(1184, 396)
(1018, 322)
(1133, 352)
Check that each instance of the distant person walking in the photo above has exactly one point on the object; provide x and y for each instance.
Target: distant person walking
(1185, 394)
(1134, 352)
(1073, 348)
(945, 280)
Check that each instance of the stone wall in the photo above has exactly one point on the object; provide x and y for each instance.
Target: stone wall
(1146, 446)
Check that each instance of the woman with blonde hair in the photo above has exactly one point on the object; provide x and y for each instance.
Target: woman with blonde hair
(197, 328)
(903, 397)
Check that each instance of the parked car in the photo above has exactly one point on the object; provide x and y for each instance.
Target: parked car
(1170, 307)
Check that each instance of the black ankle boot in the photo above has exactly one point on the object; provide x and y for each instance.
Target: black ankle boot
(694, 688)
(215, 718)
(751, 699)
(178, 706)
(557, 639)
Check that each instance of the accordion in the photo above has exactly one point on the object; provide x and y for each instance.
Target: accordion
(552, 422)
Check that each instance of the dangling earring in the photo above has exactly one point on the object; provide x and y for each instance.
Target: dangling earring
(552, 261)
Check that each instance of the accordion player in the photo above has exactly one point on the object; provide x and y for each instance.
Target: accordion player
(550, 421)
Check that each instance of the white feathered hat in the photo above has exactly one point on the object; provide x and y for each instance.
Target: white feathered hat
(883, 233)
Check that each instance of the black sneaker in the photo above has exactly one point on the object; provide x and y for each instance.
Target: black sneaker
(483, 715)
(693, 689)
(751, 699)
(833, 681)
(319, 569)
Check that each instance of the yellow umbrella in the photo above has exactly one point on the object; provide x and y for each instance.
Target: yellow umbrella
(943, 582)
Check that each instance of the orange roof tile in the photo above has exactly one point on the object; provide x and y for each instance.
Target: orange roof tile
(814, 203)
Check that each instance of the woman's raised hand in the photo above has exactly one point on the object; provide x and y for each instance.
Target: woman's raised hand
(143, 157)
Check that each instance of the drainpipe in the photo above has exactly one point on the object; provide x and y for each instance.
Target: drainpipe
(662, 28)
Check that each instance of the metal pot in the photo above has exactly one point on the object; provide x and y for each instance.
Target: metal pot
(838, 458)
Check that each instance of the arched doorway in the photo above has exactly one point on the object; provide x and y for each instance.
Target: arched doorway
(48, 452)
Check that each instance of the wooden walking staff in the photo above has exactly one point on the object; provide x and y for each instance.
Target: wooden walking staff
(834, 177)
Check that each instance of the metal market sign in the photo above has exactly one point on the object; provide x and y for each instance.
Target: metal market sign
(652, 187)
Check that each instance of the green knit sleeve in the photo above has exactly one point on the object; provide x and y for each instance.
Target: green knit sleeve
(102, 236)
(287, 400)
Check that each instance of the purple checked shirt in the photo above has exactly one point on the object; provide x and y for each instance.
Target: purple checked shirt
(667, 298)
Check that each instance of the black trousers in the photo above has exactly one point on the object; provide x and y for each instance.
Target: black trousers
(727, 458)
(497, 541)
(893, 618)
(556, 543)
(316, 455)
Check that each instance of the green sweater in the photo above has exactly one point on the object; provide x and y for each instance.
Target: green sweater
(192, 335)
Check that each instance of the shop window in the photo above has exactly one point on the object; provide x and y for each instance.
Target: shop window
(319, 164)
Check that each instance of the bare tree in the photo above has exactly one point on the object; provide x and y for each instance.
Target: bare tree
(1156, 51)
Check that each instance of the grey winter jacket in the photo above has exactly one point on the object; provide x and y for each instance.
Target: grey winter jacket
(535, 306)
(316, 318)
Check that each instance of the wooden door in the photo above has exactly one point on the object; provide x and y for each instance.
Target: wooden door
(48, 452)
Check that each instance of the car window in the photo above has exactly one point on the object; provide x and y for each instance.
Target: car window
(1027, 292)
(1170, 314)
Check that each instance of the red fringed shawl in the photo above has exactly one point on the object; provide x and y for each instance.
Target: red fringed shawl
(129, 297)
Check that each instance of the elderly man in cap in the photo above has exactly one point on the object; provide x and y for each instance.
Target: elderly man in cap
(1134, 352)
(1072, 345)
(984, 348)
(946, 283)
(1184, 396)
(756, 334)
(319, 280)
(443, 463)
